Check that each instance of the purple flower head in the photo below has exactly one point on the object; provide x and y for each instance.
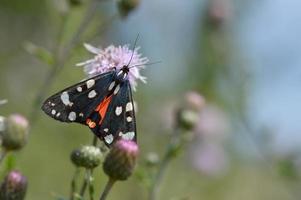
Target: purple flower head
(13, 187)
(209, 159)
(112, 57)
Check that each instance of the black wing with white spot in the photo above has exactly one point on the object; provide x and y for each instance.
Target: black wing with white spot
(75, 103)
(119, 121)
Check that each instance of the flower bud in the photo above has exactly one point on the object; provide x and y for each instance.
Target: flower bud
(120, 161)
(188, 113)
(218, 12)
(87, 156)
(152, 159)
(13, 187)
(126, 6)
(194, 101)
(187, 119)
(15, 132)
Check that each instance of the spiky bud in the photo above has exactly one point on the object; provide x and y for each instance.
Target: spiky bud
(14, 132)
(13, 187)
(121, 160)
(127, 6)
(87, 156)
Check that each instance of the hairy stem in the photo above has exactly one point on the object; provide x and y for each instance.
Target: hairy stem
(107, 189)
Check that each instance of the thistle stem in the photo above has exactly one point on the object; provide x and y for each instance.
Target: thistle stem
(175, 143)
(90, 184)
(107, 189)
(154, 189)
(84, 185)
(73, 183)
(62, 56)
(3, 153)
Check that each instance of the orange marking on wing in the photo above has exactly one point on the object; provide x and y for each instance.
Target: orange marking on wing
(103, 106)
(90, 123)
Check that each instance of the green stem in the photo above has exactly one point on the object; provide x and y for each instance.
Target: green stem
(73, 183)
(107, 189)
(170, 153)
(62, 56)
(2, 155)
(88, 176)
(90, 183)
(154, 189)
(84, 186)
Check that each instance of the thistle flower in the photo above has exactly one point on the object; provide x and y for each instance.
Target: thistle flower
(14, 132)
(13, 187)
(120, 161)
(87, 156)
(209, 159)
(112, 57)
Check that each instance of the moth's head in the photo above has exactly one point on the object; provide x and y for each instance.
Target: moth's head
(122, 74)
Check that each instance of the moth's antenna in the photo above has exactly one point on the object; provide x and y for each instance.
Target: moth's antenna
(151, 63)
(133, 49)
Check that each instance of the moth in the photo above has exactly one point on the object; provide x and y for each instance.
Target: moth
(104, 103)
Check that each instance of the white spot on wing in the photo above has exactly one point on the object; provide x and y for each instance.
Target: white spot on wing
(129, 107)
(65, 99)
(109, 138)
(79, 89)
(90, 83)
(128, 135)
(52, 104)
(111, 85)
(117, 89)
(92, 94)
(81, 114)
(118, 110)
(58, 114)
(129, 119)
(72, 116)
(106, 130)
(53, 112)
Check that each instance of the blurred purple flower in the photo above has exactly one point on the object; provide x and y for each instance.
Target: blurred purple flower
(213, 124)
(209, 159)
(115, 57)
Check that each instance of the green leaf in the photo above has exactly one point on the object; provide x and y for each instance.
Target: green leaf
(39, 52)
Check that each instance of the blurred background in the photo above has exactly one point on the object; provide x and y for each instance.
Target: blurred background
(242, 57)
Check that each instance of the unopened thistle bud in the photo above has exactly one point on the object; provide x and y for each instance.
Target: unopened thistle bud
(188, 113)
(13, 187)
(187, 119)
(87, 156)
(121, 160)
(14, 132)
(152, 159)
(127, 6)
